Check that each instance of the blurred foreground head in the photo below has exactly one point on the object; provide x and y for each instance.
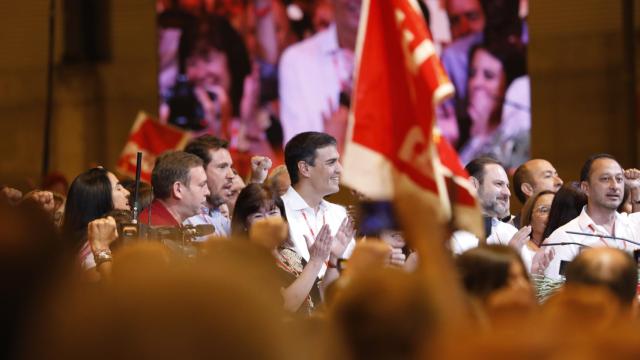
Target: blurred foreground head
(496, 276)
(609, 268)
(385, 313)
(32, 257)
(223, 305)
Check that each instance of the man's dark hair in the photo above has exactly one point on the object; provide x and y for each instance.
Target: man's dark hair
(620, 276)
(201, 145)
(521, 176)
(485, 269)
(586, 168)
(476, 167)
(170, 167)
(302, 147)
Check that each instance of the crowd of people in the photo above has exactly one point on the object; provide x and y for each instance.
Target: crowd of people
(233, 250)
(269, 268)
(260, 72)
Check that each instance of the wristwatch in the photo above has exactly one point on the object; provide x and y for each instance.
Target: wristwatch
(102, 256)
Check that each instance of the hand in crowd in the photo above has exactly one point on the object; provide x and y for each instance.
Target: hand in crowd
(447, 121)
(269, 232)
(541, 260)
(320, 249)
(411, 264)
(260, 166)
(520, 238)
(397, 257)
(43, 198)
(481, 105)
(335, 122)
(101, 233)
(345, 233)
(632, 178)
(368, 255)
(11, 195)
(212, 107)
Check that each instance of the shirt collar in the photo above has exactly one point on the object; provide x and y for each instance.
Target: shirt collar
(296, 202)
(586, 223)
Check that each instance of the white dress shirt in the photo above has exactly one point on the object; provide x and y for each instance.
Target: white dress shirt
(310, 77)
(207, 216)
(625, 226)
(303, 220)
(501, 233)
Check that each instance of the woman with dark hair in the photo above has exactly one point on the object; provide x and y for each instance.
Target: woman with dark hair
(91, 196)
(535, 213)
(492, 68)
(492, 270)
(566, 206)
(300, 292)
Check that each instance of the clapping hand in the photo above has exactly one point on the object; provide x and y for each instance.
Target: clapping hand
(345, 233)
(541, 260)
(320, 249)
(520, 238)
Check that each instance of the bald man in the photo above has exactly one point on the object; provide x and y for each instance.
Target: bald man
(610, 268)
(534, 176)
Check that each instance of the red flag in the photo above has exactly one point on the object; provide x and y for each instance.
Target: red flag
(391, 140)
(152, 139)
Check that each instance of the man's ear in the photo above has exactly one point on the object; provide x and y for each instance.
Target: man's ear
(584, 186)
(176, 190)
(527, 189)
(303, 169)
(475, 182)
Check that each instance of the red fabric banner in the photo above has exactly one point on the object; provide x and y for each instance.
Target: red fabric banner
(152, 139)
(399, 82)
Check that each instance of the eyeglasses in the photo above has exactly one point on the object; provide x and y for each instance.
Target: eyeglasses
(542, 209)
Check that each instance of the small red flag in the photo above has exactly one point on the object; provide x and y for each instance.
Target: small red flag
(152, 139)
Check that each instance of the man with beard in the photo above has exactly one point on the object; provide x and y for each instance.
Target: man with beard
(218, 164)
(599, 224)
(492, 185)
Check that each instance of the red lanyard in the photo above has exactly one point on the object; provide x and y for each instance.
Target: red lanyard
(309, 226)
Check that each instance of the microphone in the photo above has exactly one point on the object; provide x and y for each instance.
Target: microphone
(604, 236)
(564, 243)
(199, 230)
(185, 232)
